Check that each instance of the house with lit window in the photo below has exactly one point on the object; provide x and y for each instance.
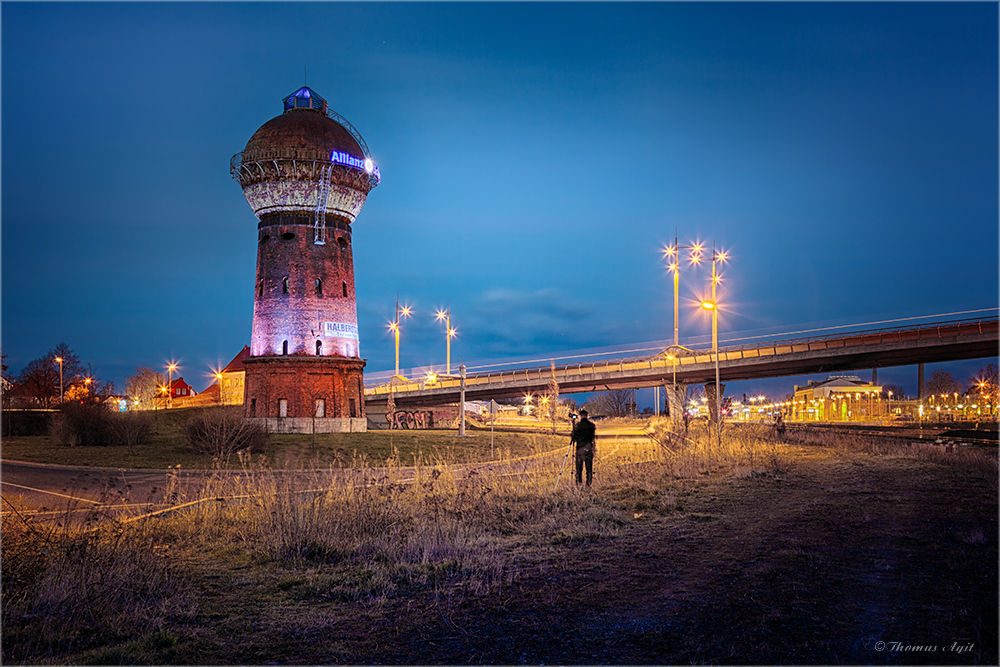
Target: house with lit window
(181, 389)
(839, 398)
(232, 378)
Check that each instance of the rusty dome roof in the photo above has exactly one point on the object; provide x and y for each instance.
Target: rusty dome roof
(302, 132)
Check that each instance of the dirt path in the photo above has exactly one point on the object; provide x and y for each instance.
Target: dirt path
(816, 565)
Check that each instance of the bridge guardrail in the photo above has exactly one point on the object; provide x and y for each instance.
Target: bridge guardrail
(919, 333)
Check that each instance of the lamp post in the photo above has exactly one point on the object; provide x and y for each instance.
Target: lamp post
(448, 334)
(170, 384)
(394, 327)
(713, 305)
(673, 253)
(59, 360)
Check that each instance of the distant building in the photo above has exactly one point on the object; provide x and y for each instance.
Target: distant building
(838, 398)
(181, 389)
(233, 379)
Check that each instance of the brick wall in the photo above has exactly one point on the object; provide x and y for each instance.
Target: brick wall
(301, 381)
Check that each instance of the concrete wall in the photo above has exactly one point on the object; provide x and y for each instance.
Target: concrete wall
(305, 425)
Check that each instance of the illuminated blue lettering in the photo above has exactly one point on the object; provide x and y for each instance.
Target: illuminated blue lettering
(349, 160)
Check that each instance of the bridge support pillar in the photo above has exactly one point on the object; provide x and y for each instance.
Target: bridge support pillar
(675, 404)
(713, 410)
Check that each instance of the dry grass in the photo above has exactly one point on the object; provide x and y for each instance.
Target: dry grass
(351, 534)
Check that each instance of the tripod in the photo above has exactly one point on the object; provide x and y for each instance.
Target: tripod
(569, 447)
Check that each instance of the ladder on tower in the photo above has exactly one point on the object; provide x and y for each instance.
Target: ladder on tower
(319, 225)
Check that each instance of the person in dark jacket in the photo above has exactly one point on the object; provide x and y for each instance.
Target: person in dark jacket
(585, 438)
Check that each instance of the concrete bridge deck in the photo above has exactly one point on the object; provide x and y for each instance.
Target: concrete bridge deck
(927, 343)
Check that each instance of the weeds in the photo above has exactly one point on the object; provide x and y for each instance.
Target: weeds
(350, 533)
(80, 589)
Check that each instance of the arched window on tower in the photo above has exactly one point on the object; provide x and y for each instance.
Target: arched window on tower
(284, 285)
(284, 347)
(319, 348)
(260, 289)
(319, 287)
(344, 286)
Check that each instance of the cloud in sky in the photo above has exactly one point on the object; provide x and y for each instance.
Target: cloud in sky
(535, 157)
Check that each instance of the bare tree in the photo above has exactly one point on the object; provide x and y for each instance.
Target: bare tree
(942, 383)
(986, 384)
(39, 380)
(894, 389)
(613, 403)
(143, 387)
(553, 402)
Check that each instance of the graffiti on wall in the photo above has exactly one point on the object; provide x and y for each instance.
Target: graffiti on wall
(414, 419)
(404, 419)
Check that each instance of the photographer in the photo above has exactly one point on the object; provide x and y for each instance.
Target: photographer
(585, 438)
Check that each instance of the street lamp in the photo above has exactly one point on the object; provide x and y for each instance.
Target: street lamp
(394, 327)
(449, 333)
(170, 384)
(713, 305)
(672, 253)
(59, 360)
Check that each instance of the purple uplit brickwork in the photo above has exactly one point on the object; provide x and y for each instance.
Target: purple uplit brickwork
(302, 288)
(304, 342)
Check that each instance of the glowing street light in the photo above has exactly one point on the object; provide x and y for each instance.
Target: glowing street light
(218, 376)
(59, 360)
(394, 327)
(449, 333)
(170, 384)
(713, 305)
(672, 254)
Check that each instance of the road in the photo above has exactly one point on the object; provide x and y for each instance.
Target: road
(50, 490)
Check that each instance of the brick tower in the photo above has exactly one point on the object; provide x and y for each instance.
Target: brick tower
(306, 174)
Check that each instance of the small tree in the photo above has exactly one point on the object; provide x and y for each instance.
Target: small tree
(221, 432)
(942, 383)
(130, 430)
(985, 384)
(895, 389)
(39, 380)
(613, 403)
(83, 423)
(143, 387)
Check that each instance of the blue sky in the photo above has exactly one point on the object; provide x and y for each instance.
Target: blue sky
(534, 159)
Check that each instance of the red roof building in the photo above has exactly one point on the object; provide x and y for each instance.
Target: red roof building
(232, 379)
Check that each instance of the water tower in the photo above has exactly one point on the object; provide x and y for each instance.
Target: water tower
(306, 174)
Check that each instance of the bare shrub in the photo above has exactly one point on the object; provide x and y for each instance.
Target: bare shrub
(221, 432)
(130, 429)
(85, 424)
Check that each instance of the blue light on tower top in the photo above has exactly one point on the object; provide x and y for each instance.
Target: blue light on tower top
(305, 98)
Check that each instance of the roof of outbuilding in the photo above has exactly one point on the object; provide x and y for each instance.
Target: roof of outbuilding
(236, 365)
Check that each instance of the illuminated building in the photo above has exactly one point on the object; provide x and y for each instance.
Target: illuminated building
(838, 398)
(306, 174)
(232, 379)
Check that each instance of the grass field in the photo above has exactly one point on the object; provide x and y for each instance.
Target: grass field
(168, 447)
(755, 552)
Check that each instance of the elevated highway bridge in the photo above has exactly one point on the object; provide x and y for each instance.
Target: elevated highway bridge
(953, 340)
